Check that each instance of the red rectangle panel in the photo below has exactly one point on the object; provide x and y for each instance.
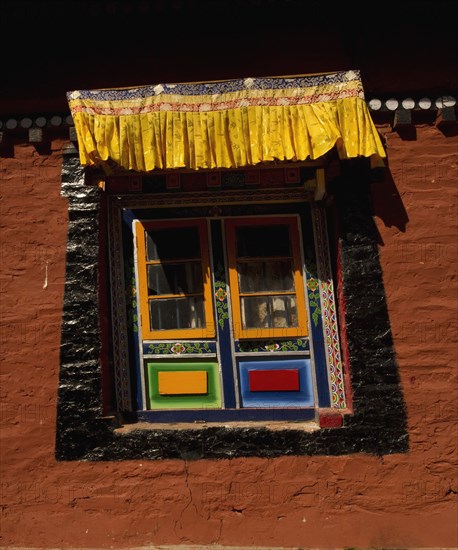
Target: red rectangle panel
(274, 380)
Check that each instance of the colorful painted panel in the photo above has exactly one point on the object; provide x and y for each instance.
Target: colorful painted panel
(182, 382)
(274, 380)
(178, 348)
(271, 346)
(174, 377)
(329, 314)
(223, 348)
(303, 397)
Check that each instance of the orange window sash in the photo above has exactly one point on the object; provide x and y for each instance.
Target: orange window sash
(239, 331)
(208, 330)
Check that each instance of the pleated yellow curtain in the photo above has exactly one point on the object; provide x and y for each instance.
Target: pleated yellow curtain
(225, 124)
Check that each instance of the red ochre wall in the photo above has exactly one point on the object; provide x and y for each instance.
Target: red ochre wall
(395, 501)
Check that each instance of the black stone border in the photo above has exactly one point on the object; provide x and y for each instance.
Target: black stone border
(378, 425)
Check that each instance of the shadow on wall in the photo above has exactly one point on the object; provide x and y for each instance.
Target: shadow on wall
(386, 199)
(387, 204)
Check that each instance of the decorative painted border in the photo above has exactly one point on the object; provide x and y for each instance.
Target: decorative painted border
(321, 304)
(206, 198)
(119, 306)
(272, 346)
(309, 84)
(328, 309)
(219, 181)
(224, 341)
(221, 302)
(179, 348)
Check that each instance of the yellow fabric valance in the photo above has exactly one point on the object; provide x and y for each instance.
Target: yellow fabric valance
(224, 124)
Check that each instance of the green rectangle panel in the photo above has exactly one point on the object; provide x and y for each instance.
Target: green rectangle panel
(211, 400)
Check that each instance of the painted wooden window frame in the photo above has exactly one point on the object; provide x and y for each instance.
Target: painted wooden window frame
(206, 331)
(329, 379)
(240, 332)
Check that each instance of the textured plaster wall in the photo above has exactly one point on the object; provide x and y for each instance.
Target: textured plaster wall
(396, 501)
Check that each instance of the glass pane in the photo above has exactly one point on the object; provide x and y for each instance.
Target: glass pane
(266, 276)
(177, 313)
(174, 278)
(269, 312)
(173, 243)
(264, 240)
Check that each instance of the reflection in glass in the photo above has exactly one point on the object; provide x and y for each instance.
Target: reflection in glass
(268, 312)
(174, 278)
(177, 313)
(172, 243)
(262, 276)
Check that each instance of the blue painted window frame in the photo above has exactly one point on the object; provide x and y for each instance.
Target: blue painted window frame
(314, 350)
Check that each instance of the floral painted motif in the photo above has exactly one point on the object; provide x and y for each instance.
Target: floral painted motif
(221, 296)
(177, 348)
(286, 345)
(272, 347)
(164, 348)
(197, 347)
(313, 286)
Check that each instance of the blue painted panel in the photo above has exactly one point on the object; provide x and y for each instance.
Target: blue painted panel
(301, 398)
(321, 369)
(314, 303)
(222, 316)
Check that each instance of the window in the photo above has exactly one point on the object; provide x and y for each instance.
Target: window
(265, 274)
(215, 393)
(231, 315)
(174, 279)
(209, 299)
